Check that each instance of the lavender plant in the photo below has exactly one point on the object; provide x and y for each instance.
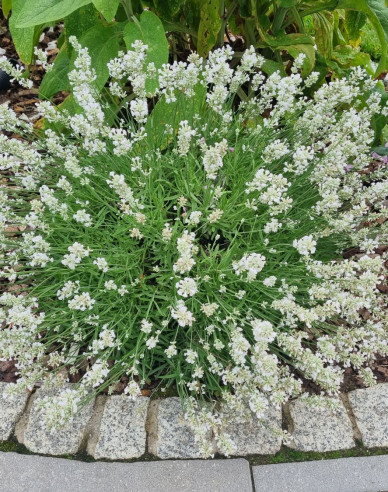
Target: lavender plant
(199, 245)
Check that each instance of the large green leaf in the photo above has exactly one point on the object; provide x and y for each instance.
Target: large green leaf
(108, 8)
(269, 67)
(76, 24)
(262, 6)
(192, 14)
(169, 9)
(323, 27)
(306, 49)
(354, 21)
(380, 150)
(377, 13)
(103, 45)
(150, 30)
(209, 26)
(379, 121)
(288, 3)
(339, 32)
(244, 8)
(282, 40)
(56, 80)
(24, 39)
(36, 12)
(312, 6)
(349, 56)
(80, 21)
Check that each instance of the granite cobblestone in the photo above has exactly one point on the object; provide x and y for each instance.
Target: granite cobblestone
(118, 428)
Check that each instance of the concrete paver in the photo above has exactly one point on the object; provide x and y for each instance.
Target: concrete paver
(368, 474)
(24, 473)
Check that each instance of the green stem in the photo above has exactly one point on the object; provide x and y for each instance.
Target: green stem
(225, 15)
(299, 20)
(241, 94)
(127, 4)
(221, 32)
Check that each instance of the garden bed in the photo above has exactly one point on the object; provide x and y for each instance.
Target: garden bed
(213, 231)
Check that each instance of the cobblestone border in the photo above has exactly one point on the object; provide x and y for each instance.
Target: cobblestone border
(117, 428)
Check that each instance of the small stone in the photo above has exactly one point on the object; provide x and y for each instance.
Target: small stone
(66, 440)
(11, 408)
(370, 408)
(320, 429)
(170, 435)
(252, 436)
(122, 433)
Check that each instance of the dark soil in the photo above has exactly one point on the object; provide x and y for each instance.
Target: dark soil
(21, 100)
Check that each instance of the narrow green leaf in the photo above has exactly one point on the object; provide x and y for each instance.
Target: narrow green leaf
(172, 113)
(150, 30)
(36, 12)
(108, 8)
(6, 6)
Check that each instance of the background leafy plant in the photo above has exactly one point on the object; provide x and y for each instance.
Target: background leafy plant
(272, 26)
(329, 32)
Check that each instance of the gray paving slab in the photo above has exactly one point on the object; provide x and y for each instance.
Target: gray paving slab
(23, 473)
(368, 474)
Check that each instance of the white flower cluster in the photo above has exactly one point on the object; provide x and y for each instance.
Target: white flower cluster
(252, 264)
(212, 159)
(306, 245)
(187, 249)
(77, 252)
(15, 72)
(207, 256)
